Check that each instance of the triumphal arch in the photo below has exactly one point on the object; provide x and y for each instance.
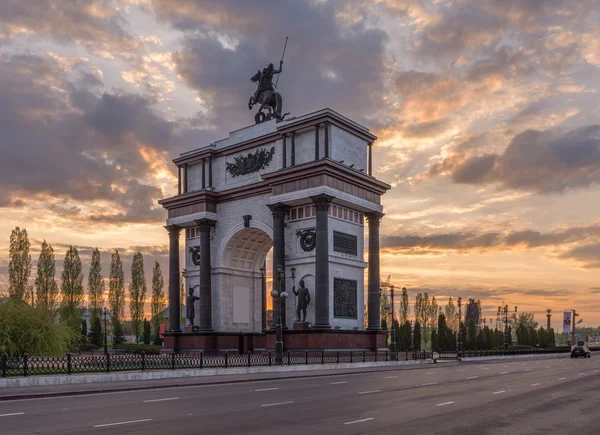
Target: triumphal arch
(302, 187)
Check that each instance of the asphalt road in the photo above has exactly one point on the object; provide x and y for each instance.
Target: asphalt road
(544, 396)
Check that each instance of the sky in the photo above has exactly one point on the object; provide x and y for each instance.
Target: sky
(487, 114)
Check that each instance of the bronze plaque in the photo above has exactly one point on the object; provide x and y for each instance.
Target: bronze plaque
(345, 243)
(344, 298)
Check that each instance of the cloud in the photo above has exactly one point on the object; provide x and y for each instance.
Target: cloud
(588, 255)
(545, 162)
(328, 62)
(66, 142)
(97, 25)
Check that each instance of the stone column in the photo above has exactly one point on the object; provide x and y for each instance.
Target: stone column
(293, 152)
(284, 153)
(322, 283)
(205, 301)
(373, 296)
(370, 159)
(204, 173)
(317, 153)
(279, 211)
(184, 180)
(210, 180)
(178, 180)
(327, 139)
(263, 297)
(174, 276)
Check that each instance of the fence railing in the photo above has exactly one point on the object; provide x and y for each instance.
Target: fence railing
(73, 364)
(514, 352)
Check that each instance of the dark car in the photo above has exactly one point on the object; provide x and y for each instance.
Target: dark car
(580, 351)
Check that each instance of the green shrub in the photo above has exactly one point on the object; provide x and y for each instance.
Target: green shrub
(24, 328)
(148, 349)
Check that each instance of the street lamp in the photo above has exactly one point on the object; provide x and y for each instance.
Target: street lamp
(393, 332)
(105, 313)
(460, 337)
(506, 327)
(263, 291)
(281, 295)
(548, 315)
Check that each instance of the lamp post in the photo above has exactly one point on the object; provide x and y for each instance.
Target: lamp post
(575, 314)
(506, 327)
(281, 295)
(460, 337)
(263, 288)
(393, 331)
(548, 315)
(105, 313)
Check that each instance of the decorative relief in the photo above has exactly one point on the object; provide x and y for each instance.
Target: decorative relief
(344, 298)
(195, 254)
(345, 243)
(251, 163)
(308, 239)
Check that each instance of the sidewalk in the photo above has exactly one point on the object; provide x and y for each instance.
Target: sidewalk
(53, 386)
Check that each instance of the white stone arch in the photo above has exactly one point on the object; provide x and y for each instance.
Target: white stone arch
(224, 253)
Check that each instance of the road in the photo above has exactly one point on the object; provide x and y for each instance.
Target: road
(519, 396)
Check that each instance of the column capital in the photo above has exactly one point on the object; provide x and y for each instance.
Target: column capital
(374, 217)
(279, 210)
(205, 223)
(322, 201)
(173, 229)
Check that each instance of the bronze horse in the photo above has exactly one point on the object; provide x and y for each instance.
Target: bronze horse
(267, 98)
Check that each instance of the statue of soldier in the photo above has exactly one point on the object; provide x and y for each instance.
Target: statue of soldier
(303, 300)
(189, 306)
(266, 79)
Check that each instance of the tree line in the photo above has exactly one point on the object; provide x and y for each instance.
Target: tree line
(67, 304)
(436, 327)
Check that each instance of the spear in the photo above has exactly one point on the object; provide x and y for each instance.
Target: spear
(281, 61)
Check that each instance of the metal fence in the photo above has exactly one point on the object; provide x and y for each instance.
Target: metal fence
(73, 364)
(514, 352)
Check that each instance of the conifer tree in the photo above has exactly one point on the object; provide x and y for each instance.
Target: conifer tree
(45, 282)
(116, 290)
(95, 285)
(451, 315)
(417, 336)
(146, 331)
(137, 294)
(72, 288)
(404, 306)
(158, 302)
(95, 335)
(19, 266)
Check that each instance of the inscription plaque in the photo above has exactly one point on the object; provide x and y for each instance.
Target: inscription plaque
(344, 298)
(345, 243)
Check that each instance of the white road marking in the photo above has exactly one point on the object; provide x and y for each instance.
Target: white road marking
(123, 422)
(461, 370)
(547, 367)
(267, 389)
(596, 371)
(528, 370)
(535, 385)
(472, 377)
(430, 373)
(499, 392)
(338, 383)
(523, 364)
(444, 404)
(391, 377)
(428, 383)
(580, 374)
(506, 366)
(561, 379)
(504, 373)
(161, 400)
(360, 421)
(12, 413)
(369, 392)
(277, 403)
(485, 368)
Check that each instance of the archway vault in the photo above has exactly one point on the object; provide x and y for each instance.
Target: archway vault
(246, 250)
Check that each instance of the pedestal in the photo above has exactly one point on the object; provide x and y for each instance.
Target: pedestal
(301, 326)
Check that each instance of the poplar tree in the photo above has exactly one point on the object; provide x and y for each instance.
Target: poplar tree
(19, 266)
(116, 289)
(72, 288)
(137, 294)
(158, 303)
(45, 282)
(450, 313)
(95, 286)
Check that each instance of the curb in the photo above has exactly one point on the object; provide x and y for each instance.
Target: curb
(505, 357)
(304, 373)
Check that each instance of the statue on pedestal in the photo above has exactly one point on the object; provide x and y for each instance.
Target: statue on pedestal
(189, 306)
(303, 301)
